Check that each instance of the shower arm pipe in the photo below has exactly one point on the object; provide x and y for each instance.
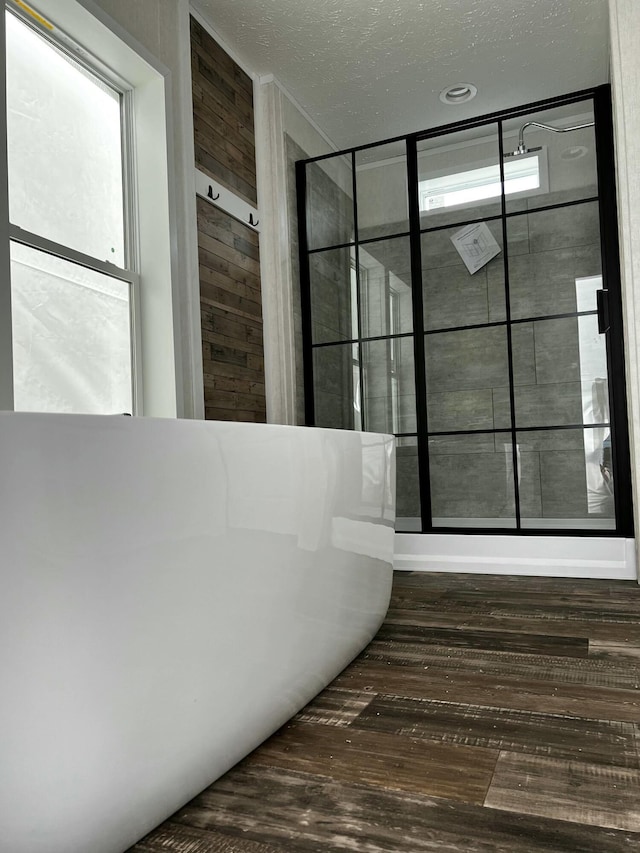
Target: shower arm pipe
(521, 146)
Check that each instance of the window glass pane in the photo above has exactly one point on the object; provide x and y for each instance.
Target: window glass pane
(64, 148)
(560, 373)
(381, 181)
(459, 177)
(466, 373)
(567, 160)
(566, 479)
(557, 269)
(389, 386)
(385, 287)
(453, 295)
(408, 514)
(71, 336)
(472, 482)
(333, 295)
(330, 202)
(336, 386)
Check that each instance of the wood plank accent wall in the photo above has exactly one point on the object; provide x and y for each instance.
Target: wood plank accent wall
(222, 116)
(231, 313)
(229, 254)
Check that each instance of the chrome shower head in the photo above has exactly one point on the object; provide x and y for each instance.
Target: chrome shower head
(522, 148)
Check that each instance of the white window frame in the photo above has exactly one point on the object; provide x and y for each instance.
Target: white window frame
(457, 180)
(127, 273)
(150, 249)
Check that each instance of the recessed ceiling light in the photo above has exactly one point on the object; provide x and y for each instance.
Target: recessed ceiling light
(575, 152)
(459, 93)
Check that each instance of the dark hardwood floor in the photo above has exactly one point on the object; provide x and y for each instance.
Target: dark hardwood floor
(490, 714)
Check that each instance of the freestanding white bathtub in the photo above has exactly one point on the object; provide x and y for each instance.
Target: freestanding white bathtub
(172, 592)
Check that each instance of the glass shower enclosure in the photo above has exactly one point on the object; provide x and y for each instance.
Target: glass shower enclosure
(460, 289)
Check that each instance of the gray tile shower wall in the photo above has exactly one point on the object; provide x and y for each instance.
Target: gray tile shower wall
(293, 153)
(408, 484)
(467, 375)
(330, 221)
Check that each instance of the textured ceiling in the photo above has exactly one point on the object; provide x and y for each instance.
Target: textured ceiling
(367, 70)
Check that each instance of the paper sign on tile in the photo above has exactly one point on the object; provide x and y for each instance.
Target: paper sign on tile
(475, 245)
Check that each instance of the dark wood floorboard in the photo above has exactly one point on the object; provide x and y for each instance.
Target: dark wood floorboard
(491, 714)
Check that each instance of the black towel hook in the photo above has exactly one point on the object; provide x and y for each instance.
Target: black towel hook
(211, 195)
(251, 222)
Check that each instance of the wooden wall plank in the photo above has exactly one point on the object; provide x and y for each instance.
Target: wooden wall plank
(228, 250)
(223, 116)
(231, 315)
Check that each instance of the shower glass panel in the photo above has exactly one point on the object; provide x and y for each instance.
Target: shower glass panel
(462, 292)
(472, 483)
(452, 296)
(566, 479)
(561, 376)
(334, 313)
(337, 386)
(459, 177)
(465, 369)
(385, 287)
(555, 167)
(330, 216)
(383, 200)
(560, 269)
(389, 400)
(408, 510)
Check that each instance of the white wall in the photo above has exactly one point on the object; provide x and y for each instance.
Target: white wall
(277, 115)
(162, 28)
(625, 71)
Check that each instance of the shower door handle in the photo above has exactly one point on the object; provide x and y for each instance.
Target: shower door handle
(602, 302)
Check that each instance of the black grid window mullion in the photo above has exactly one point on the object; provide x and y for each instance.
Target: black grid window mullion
(363, 420)
(305, 294)
(507, 308)
(420, 365)
(607, 202)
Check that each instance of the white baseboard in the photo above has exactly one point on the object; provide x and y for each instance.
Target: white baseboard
(544, 556)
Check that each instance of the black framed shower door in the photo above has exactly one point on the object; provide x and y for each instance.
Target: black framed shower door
(461, 290)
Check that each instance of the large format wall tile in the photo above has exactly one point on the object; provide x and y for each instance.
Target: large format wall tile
(329, 207)
(577, 225)
(452, 297)
(451, 445)
(294, 153)
(541, 405)
(333, 411)
(333, 387)
(456, 410)
(466, 360)
(529, 485)
(523, 354)
(545, 282)
(407, 482)
(472, 485)
(557, 351)
(563, 484)
(331, 308)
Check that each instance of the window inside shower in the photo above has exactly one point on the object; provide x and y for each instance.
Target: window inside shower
(460, 289)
